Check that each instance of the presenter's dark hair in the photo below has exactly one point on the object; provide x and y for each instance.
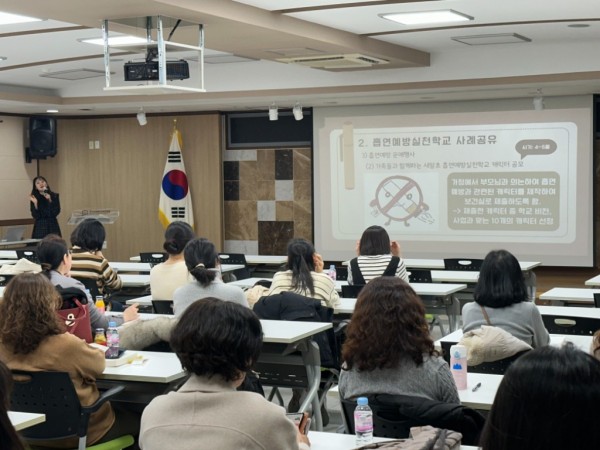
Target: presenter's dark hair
(177, 235)
(388, 326)
(34, 190)
(51, 252)
(375, 240)
(216, 337)
(501, 282)
(546, 401)
(89, 235)
(201, 259)
(300, 261)
(8, 436)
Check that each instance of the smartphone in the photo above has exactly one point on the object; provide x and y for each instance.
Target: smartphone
(301, 420)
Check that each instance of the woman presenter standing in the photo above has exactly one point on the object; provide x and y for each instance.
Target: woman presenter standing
(45, 207)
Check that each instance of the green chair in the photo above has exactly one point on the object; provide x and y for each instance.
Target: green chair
(53, 394)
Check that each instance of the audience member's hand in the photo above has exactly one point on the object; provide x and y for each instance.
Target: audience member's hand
(318, 262)
(131, 313)
(395, 248)
(300, 437)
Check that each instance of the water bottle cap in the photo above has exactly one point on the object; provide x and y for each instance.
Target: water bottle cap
(112, 324)
(332, 266)
(362, 401)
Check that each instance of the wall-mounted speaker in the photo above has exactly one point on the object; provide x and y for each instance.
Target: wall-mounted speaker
(42, 137)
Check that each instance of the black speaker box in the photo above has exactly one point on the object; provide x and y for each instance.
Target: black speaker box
(42, 137)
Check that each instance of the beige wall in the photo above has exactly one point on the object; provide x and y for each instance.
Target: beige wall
(126, 173)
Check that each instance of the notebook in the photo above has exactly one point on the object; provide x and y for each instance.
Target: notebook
(14, 233)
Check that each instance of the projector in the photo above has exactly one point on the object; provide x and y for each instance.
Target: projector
(148, 70)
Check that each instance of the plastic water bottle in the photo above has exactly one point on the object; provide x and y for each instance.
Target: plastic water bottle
(363, 421)
(331, 272)
(112, 341)
(100, 306)
(458, 365)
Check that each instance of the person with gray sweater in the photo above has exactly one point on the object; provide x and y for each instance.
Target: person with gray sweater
(502, 294)
(202, 261)
(388, 349)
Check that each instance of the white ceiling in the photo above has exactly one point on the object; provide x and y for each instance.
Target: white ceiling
(560, 60)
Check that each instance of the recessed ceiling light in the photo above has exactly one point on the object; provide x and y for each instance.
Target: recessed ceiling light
(9, 19)
(426, 17)
(52, 110)
(578, 25)
(116, 40)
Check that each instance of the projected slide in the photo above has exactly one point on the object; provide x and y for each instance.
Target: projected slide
(448, 186)
(477, 180)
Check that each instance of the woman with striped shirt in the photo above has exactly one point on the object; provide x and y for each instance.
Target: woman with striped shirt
(377, 256)
(305, 275)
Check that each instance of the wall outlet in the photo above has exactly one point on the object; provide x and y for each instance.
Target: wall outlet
(96, 145)
(91, 145)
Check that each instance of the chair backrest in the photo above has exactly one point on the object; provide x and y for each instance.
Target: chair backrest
(31, 255)
(232, 258)
(91, 285)
(419, 276)
(162, 306)
(235, 258)
(470, 264)
(4, 279)
(394, 415)
(585, 326)
(351, 290)
(597, 300)
(49, 393)
(153, 257)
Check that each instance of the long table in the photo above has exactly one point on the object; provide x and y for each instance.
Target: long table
(336, 441)
(145, 267)
(22, 420)
(566, 296)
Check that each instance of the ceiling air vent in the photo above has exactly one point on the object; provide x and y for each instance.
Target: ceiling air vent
(350, 61)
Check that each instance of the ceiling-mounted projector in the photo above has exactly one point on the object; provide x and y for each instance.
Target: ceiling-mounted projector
(148, 70)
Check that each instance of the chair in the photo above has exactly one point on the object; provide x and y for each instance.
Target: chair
(583, 326)
(31, 255)
(162, 306)
(53, 394)
(419, 276)
(235, 258)
(473, 265)
(4, 279)
(91, 285)
(153, 258)
(351, 290)
(394, 415)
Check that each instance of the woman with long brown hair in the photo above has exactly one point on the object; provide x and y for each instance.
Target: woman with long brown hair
(388, 349)
(33, 338)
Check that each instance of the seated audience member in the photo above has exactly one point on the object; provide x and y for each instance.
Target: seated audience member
(87, 259)
(546, 401)
(32, 337)
(388, 349)
(173, 273)
(377, 256)
(202, 261)
(501, 292)
(305, 275)
(8, 436)
(217, 342)
(55, 259)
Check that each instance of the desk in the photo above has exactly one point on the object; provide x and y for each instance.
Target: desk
(482, 398)
(269, 260)
(22, 420)
(564, 296)
(334, 441)
(8, 254)
(1, 291)
(130, 280)
(18, 244)
(593, 281)
(7, 261)
(145, 300)
(145, 267)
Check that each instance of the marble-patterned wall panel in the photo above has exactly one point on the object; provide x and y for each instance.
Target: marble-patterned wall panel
(248, 180)
(231, 190)
(284, 211)
(266, 164)
(303, 229)
(302, 164)
(265, 210)
(302, 190)
(239, 155)
(302, 211)
(284, 190)
(265, 189)
(241, 222)
(273, 237)
(284, 164)
(245, 247)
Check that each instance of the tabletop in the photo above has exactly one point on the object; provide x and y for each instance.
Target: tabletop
(571, 311)
(145, 267)
(571, 295)
(22, 420)
(8, 254)
(438, 264)
(483, 397)
(320, 440)
(593, 281)
(266, 259)
(157, 367)
(131, 280)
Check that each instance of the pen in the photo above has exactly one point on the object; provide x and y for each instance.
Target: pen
(477, 386)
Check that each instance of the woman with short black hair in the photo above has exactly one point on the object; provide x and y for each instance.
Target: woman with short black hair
(377, 256)
(217, 342)
(501, 293)
(202, 261)
(546, 401)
